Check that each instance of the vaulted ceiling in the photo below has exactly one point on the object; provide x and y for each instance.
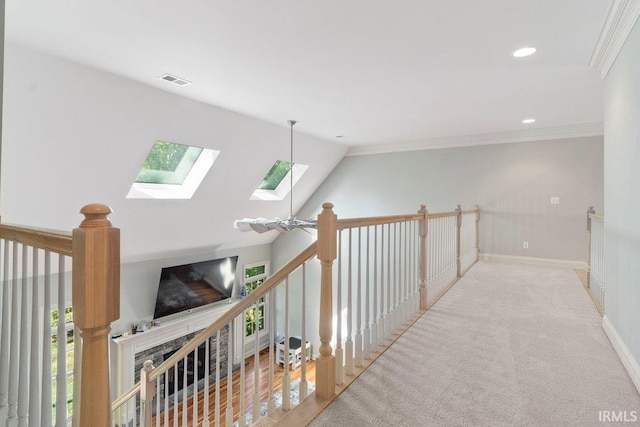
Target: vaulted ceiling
(366, 73)
(358, 75)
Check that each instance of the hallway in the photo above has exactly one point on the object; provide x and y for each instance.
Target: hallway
(508, 345)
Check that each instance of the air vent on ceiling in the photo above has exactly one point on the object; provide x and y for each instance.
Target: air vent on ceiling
(175, 80)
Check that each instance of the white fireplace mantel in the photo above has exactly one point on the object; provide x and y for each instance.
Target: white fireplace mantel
(125, 348)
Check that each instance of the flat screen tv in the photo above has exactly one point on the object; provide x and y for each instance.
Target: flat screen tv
(190, 286)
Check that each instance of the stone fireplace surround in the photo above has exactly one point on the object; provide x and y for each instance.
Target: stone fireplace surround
(129, 353)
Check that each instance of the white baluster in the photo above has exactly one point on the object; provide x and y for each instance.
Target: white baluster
(194, 394)
(23, 378)
(367, 319)
(271, 403)
(5, 331)
(339, 353)
(348, 347)
(242, 418)
(405, 271)
(176, 404)
(358, 340)
(374, 326)
(229, 414)
(396, 278)
(256, 371)
(185, 394)
(61, 369)
(387, 321)
(13, 347)
(381, 322)
(46, 405)
(217, 396)
(158, 396)
(34, 376)
(405, 275)
(286, 378)
(302, 391)
(207, 381)
(166, 398)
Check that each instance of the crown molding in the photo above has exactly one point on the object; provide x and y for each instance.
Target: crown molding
(620, 20)
(538, 134)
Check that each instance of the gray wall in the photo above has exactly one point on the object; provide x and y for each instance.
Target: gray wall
(622, 193)
(512, 183)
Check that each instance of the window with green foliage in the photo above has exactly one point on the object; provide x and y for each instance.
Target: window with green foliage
(277, 173)
(279, 180)
(255, 317)
(168, 163)
(172, 171)
(55, 343)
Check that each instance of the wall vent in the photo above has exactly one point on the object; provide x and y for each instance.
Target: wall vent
(175, 80)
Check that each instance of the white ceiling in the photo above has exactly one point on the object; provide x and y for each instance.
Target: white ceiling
(376, 71)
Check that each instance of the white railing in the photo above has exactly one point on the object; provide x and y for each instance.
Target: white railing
(375, 276)
(41, 353)
(35, 282)
(595, 279)
(377, 286)
(468, 239)
(452, 248)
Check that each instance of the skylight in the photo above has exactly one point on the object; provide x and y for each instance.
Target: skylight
(172, 171)
(277, 183)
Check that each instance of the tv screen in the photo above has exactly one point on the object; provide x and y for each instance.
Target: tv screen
(185, 287)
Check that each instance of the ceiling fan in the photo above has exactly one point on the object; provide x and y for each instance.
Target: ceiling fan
(262, 225)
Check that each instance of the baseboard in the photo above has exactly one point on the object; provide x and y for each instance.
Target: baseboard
(627, 359)
(538, 261)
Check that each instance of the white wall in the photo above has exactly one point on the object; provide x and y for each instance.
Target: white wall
(75, 135)
(622, 193)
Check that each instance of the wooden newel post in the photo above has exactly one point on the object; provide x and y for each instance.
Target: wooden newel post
(424, 231)
(327, 252)
(458, 228)
(590, 212)
(96, 303)
(147, 392)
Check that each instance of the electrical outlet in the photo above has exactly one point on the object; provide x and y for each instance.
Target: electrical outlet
(525, 245)
(555, 200)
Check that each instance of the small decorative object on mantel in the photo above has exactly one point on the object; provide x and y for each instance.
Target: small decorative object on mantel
(243, 292)
(134, 328)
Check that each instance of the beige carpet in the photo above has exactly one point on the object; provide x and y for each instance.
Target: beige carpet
(509, 345)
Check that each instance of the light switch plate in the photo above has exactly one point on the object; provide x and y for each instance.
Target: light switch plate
(555, 200)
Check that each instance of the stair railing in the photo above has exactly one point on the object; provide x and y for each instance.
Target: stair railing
(41, 272)
(375, 277)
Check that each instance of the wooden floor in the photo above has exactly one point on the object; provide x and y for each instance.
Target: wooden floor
(249, 391)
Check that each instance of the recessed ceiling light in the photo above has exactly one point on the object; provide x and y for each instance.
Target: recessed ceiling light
(528, 121)
(525, 51)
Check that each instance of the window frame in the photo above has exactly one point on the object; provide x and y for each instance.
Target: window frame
(264, 300)
(186, 190)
